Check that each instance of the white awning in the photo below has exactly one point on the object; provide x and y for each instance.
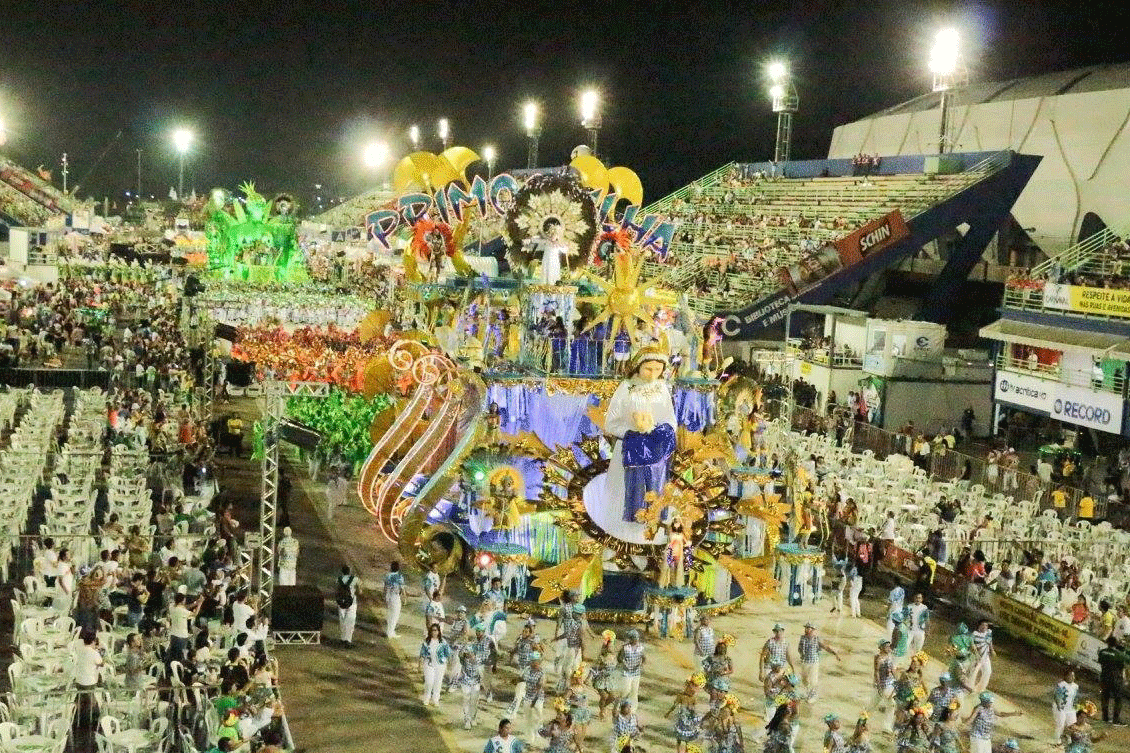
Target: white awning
(1058, 338)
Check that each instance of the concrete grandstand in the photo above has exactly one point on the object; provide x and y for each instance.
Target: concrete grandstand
(1075, 119)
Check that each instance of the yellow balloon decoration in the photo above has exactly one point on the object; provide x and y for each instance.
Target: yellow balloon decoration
(593, 172)
(460, 158)
(626, 184)
(414, 172)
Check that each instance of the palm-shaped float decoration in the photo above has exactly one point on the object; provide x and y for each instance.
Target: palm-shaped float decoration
(624, 301)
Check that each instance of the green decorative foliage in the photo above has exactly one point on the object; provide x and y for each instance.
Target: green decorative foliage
(342, 419)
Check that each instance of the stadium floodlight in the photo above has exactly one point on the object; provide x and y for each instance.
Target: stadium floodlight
(489, 155)
(943, 56)
(783, 95)
(182, 141)
(414, 136)
(375, 154)
(949, 73)
(531, 118)
(590, 115)
(443, 129)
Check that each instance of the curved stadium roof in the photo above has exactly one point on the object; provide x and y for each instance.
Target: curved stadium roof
(1080, 80)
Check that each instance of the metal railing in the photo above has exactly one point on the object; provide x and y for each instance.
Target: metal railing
(664, 204)
(1056, 373)
(1078, 257)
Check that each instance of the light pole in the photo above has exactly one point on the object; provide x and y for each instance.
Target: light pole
(785, 103)
(590, 116)
(443, 129)
(414, 137)
(182, 140)
(531, 114)
(489, 155)
(139, 176)
(64, 163)
(949, 73)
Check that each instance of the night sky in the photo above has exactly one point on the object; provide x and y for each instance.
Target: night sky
(287, 93)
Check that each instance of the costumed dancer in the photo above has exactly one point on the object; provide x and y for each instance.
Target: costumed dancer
(625, 727)
(883, 680)
(631, 660)
(560, 732)
(913, 736)
(395, 591)
(534, 696)
(1080, 735)
(719, 664)
(775, 652)
(809, 647)
(896, 600)
(918, 616)
(577, 698)
(487, 652)
(688, 724)
(459, 637)
(1063, 703)
(982, 721)
(469, 682)
(909, 687)
(704, 640)
(899, 634)
(983, 653)
(504, 741)
(779, 731)
(946, 737)
(641, 419)
(860, 740)
(834, 741)
(572, 631)
(434, 653)
(525, 647)
(602, 672)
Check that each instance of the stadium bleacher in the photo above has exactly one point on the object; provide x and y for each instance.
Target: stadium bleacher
(737, 228)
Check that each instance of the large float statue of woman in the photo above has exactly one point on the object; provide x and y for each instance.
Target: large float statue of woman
(640, 423)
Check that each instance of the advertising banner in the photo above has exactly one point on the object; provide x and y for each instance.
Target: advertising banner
(1087, 300)
(1050, 635)
(1086, 407)
(872, 237)
(1023, 391)
(1074, 404)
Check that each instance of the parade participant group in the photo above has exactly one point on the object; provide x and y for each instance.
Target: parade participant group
(563, 686)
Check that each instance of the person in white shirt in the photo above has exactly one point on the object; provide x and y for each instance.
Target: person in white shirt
(1063, 704)
(48, 562)
(180, 626)
(88, 662)
(919, 615)
(240, 612)
(1122, 625)
(503, 742)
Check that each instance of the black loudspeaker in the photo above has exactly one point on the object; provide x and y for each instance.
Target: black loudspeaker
(299, 435)
(227, 332)
(297, 608)
(240, 373)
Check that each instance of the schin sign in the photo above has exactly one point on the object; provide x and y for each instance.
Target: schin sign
(649, 233)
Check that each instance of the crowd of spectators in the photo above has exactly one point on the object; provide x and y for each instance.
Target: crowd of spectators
(129, 328)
